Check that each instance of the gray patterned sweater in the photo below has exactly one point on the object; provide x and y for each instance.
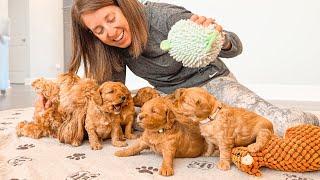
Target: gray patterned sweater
(158, 67)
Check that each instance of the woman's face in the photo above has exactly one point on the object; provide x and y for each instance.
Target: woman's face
(109, 25)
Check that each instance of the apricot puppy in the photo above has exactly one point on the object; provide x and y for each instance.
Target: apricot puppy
(46, 123)
(165, 135)
(143, 95)
(221, 125)
(110, 107)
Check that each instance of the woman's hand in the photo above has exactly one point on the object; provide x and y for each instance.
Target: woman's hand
(204, 21)
(43, 102)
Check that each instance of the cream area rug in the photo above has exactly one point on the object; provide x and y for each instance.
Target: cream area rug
(48, 159)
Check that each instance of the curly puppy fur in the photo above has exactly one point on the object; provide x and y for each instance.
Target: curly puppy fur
(126, 109)
(75, 103)
(46, 123)
(110, 108)
(223, 126)
(143, 95)
(165, 135)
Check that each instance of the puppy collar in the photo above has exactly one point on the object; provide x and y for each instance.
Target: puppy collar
(211, 117)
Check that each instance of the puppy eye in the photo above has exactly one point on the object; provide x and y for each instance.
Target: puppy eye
(153, 111)
(110, 91)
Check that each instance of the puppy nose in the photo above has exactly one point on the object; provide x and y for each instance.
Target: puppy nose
(141, 117)
(123, 98)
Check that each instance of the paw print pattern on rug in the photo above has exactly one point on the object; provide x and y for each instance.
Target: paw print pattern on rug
(204, 165)
(15, 114)
(144, 169)
(83, 175)
(11, 118)
(295, 177)
(26, 146)
(77, 156)
(5, 123)
(17, 161)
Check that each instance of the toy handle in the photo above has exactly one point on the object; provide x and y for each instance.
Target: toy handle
(165, 45)
(212, 39)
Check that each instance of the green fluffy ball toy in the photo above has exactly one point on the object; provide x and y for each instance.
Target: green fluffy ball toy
(194, 45)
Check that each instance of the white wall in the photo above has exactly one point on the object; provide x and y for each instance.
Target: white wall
(3, 8)
(280, 59)
(46, 38)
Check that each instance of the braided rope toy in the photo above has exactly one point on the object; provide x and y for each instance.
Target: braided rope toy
(192, 44)
(299, 151)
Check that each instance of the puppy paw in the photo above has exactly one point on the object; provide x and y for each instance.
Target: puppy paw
(166, 171)
(120, 143)
(224, 165)
(254, 147)
(121, 153)
(19, 128)
(131, 136)
(78, 143)
(96, 146)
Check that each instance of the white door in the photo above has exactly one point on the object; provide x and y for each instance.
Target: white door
(19, 41)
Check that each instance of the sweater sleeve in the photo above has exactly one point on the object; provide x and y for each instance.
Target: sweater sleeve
(236, 46)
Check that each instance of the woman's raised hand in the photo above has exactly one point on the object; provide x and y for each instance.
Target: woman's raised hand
(202, 20)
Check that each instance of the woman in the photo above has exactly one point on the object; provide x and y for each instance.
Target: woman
(109, 35)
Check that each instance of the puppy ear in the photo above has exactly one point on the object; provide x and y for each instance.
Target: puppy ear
(170, 119)
(125, 90)
(216, 104)
(176, 94)
(97, 97)
(35, 82)
(155, 96)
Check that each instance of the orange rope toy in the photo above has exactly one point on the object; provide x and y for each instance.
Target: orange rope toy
(299, 151)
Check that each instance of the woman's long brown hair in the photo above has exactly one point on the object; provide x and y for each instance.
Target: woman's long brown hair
(99, 59)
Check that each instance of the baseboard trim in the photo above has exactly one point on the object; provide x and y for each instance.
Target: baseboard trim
(286, 92)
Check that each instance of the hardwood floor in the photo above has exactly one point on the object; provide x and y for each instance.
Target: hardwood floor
(18, 96)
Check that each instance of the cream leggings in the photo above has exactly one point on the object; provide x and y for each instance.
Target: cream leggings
(229, 91)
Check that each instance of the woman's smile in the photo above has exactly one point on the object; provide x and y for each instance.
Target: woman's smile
(120, 37)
